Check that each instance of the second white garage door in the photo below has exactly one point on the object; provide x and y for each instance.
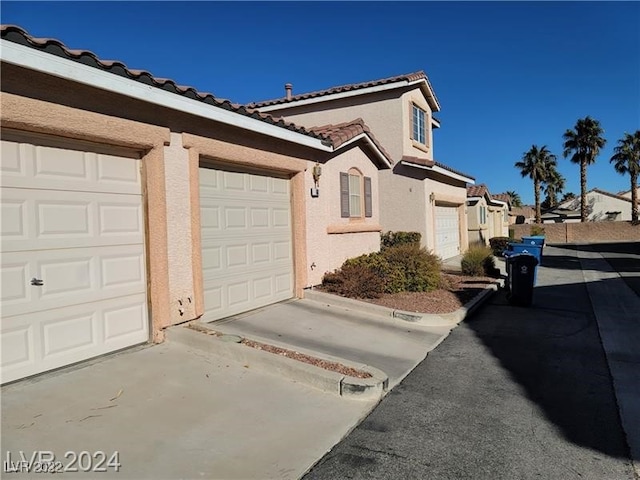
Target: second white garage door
(247, 258)
(447, 232)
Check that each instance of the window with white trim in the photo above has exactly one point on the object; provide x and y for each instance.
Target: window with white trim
(418, 125)
(355, 195)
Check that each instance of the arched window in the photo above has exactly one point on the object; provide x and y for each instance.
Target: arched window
(355, 194)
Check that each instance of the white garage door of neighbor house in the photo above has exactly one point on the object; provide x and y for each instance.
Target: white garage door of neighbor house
(247, 258)
(447, 232)
(73, 261)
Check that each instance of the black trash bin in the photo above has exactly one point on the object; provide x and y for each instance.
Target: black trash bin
(521, 272)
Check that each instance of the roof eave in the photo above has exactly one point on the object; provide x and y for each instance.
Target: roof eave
(60, 67)
(440, 170)
(384, 161)
(433, 102)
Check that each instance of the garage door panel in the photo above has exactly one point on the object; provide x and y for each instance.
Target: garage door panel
(45, 340)
(447, 231)
(44, 219)
(39, 167)
(246, 241)
(70, 276)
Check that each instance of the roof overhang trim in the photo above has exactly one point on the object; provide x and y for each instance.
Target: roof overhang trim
(433, 102)
(26, 57)
(440, 170)
(374, 148)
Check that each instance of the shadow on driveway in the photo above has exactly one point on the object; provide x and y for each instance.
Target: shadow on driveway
(554, 350)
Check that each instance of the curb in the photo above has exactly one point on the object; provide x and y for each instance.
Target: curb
(373, 388)
(425, 319)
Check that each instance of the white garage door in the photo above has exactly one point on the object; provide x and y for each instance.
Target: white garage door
(247, 259)
(72, 221)
(447, 232)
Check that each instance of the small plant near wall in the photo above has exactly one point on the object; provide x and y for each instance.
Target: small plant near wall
(392, 239)
(498, 245)
(537, 230)
(479, 262)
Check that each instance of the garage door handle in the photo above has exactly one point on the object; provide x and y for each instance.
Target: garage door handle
(36, 282)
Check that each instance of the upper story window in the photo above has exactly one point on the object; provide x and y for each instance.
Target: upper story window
(418, 127)
(355, 194)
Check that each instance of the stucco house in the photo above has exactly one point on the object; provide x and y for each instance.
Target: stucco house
(487, 216)
(418, 193)
(131, 203)
(602, 206)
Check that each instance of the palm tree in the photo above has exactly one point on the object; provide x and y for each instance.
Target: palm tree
(536, 164)
(626, 159)
(553, 186)
(516, 201)
(583, 144)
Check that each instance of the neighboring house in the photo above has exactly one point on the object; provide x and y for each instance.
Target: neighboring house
(487, 217)
(130, 203)
(525, 214)
(419, 193)
(627, 193)
(560, 215)
(602, 206)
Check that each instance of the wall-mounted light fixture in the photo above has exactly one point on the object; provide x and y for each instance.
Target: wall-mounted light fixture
(432, 197)
(316, 172)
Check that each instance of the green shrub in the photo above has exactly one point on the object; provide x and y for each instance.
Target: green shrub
(476, 261)
(404, 267)
(392, 239)
(498, 245)
(537, 230)
(419, 270)
(355, 281)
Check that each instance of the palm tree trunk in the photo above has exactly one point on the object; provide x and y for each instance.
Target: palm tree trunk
(536, 194)
(634, 198)
(583, 190)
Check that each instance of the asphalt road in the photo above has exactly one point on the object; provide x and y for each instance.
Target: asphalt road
(512, 393)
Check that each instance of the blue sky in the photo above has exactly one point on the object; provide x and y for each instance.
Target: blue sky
(507, 74)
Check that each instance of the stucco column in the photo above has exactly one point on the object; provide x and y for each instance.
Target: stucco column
(179, 224)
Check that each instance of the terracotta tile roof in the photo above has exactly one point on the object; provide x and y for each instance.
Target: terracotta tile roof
(343, 132)
(418, 160)
(52, 46)
(527, 211)
(477, 190)
(409, 77)
(503, 197)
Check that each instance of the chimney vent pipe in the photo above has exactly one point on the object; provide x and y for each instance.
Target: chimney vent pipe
(288, 87)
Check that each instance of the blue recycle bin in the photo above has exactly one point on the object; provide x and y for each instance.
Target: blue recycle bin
(534, 240)
(535, 250)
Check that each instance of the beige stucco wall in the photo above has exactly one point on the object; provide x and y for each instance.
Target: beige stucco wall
(403, 202)
(583, 232)
(478, 232)
(383, 113)
(330, 238)
(179, 241)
